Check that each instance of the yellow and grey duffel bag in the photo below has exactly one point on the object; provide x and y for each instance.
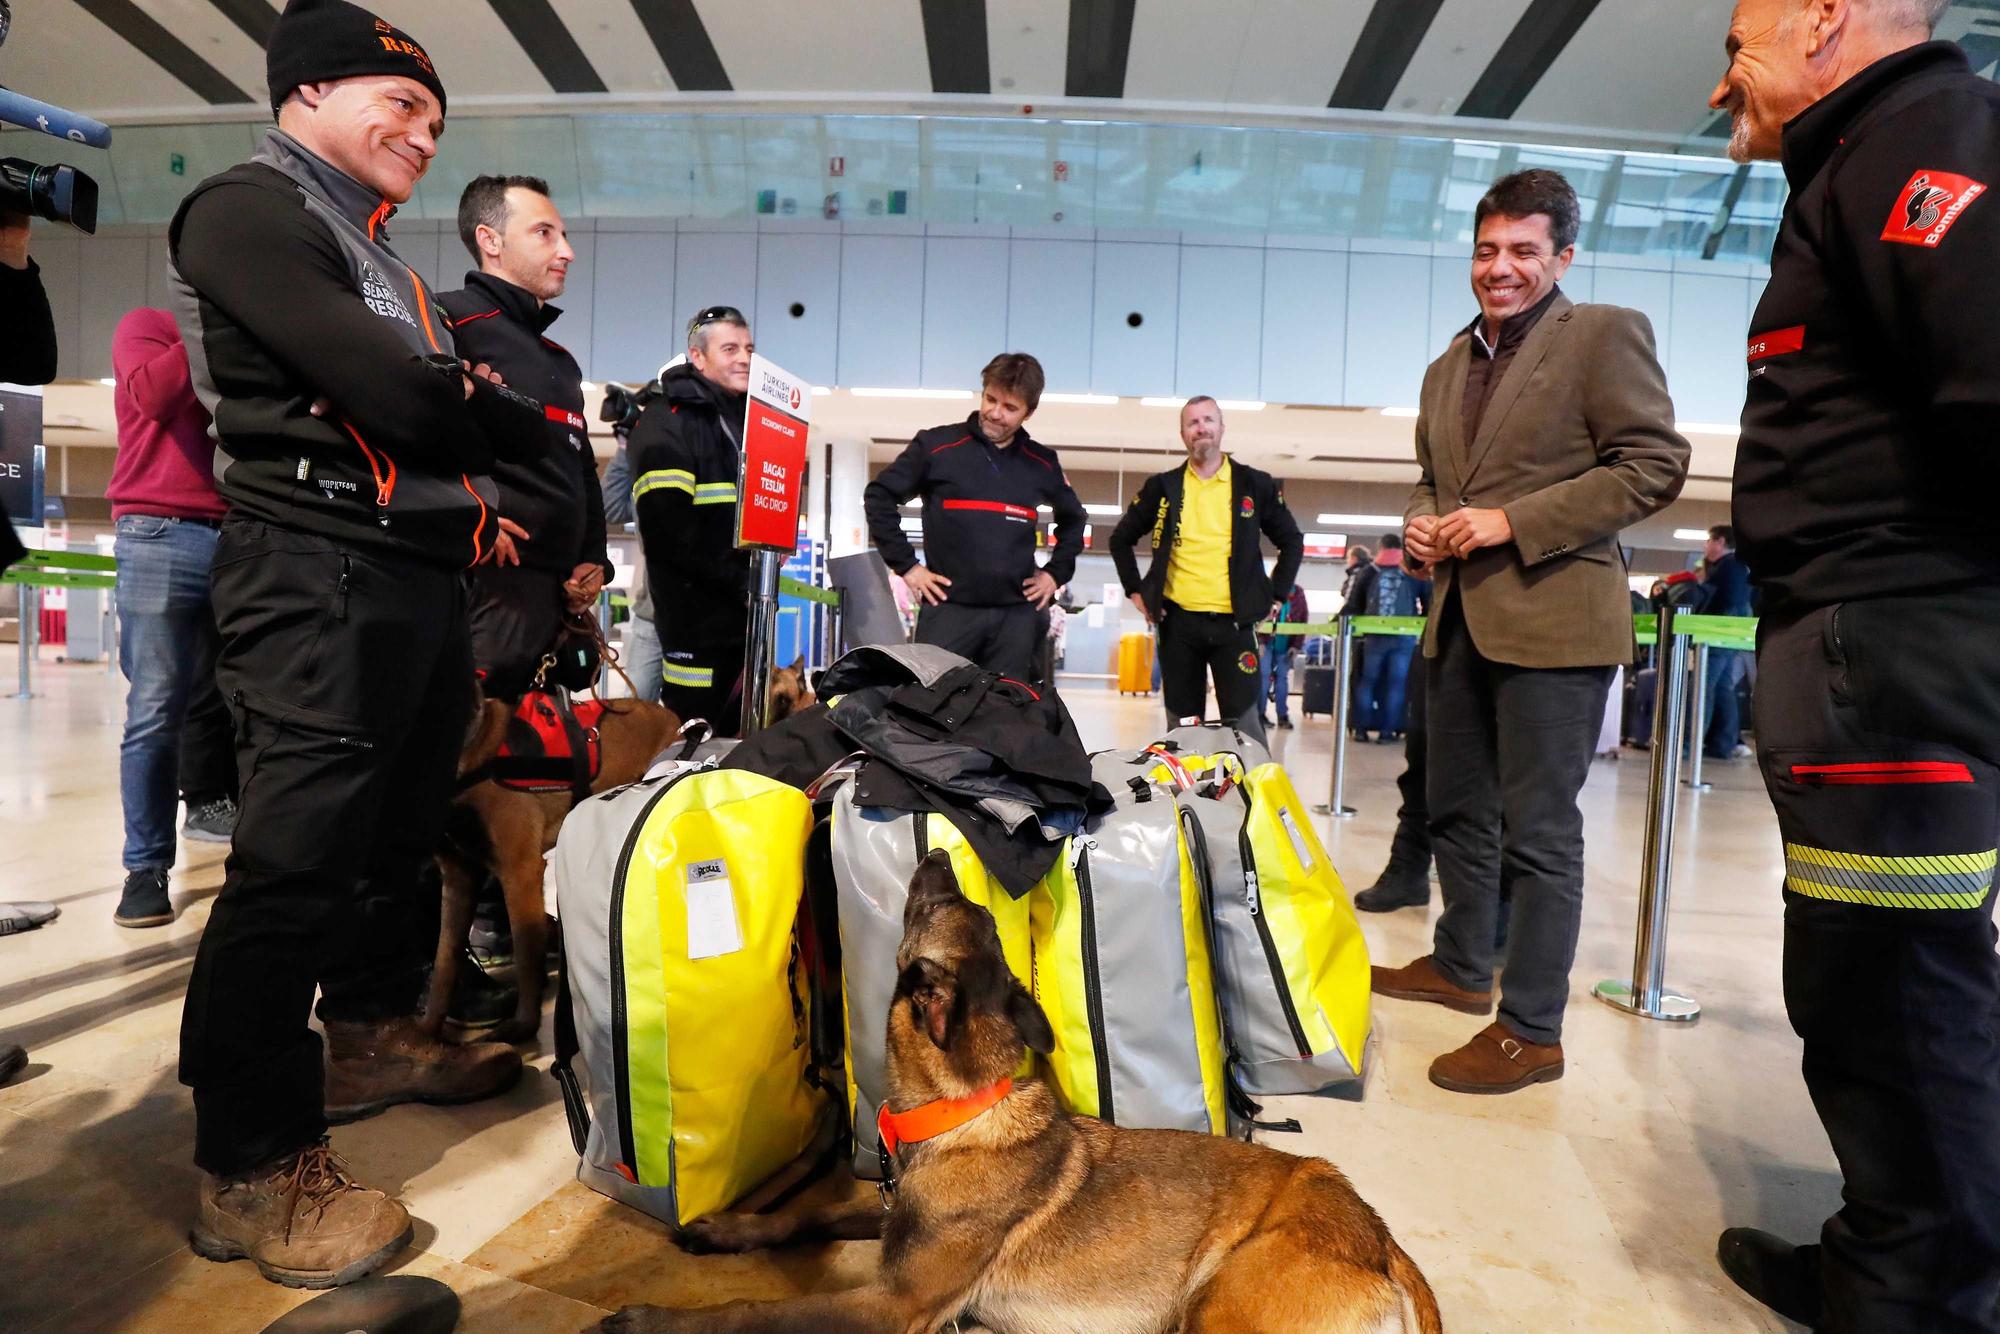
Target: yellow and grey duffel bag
(1292, 965)
(875, 852)
(682, 990)
(1122, 972)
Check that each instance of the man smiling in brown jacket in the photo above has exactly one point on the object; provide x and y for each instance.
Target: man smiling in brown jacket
(1545, 429)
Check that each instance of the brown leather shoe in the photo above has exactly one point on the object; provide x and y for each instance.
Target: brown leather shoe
(1420, 980)
(373, 1066)
(1497, 1062)
(303, 1221)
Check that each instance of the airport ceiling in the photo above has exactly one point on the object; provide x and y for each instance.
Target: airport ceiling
(1612, 73)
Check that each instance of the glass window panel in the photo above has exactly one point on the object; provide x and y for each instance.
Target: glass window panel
(543, 146)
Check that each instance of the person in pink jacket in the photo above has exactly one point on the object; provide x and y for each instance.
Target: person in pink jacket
(178, 742)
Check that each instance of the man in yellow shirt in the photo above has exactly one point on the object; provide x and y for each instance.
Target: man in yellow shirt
(1212, 587)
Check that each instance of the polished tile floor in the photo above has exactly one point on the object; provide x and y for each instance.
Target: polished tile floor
(1588, 1204)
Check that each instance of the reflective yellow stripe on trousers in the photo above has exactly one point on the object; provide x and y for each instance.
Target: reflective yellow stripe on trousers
(1950, 880)
(679, 674)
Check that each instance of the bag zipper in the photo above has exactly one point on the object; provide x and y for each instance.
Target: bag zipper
(1093, 982)
(1253, 897)
(628, 1153)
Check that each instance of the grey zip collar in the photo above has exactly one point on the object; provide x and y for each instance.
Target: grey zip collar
(346, 196)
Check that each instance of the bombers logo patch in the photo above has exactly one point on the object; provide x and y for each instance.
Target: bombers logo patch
(1929, 206)
(1248, 662)
(1249, 507)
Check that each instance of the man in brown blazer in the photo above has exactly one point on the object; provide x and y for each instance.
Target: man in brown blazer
(1545, 428)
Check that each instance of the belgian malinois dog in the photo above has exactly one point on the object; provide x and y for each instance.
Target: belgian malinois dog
(1011, 1213)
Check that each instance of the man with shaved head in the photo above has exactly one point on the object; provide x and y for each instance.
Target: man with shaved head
(1865, 479)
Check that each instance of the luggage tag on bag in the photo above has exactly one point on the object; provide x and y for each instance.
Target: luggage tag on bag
(713, 930)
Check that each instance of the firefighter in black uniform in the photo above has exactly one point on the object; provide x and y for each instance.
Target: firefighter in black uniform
(686, 450)
(550, 557)
(983, 481)
(1865, 479)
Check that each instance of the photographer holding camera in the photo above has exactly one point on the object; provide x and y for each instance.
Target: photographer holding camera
(29, 357)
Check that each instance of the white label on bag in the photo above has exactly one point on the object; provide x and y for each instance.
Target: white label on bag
(1299, 847)
(712, 927)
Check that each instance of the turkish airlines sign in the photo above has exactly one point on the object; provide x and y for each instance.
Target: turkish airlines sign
(771, 487)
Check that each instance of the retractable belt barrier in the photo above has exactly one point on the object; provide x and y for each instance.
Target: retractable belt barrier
(51, 569)
(1683, 669)
(828, 611)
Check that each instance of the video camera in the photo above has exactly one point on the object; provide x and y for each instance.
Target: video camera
(57, 192)
(623, 405)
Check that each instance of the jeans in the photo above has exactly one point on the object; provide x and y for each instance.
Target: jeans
(1379, 703)
(1509, 750)
(642, 661)
(177, 729)
(1723, 732)
(1275, 678)
(350, 673)
(1878, 733)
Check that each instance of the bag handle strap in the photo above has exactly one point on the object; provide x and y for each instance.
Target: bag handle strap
(575, 1110)
(848, 763)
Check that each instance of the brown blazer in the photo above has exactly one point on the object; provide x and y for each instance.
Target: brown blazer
(1577, 441)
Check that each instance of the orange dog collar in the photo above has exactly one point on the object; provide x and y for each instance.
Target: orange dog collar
(934, 1118)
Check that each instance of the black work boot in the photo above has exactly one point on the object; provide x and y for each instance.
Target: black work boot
(1782, 1276)
(145, 901)
(478, 1000)
(1401, 885)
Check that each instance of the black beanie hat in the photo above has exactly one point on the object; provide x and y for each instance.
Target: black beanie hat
(321, 40)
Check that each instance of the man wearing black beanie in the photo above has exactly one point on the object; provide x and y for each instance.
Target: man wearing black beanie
(358, 450)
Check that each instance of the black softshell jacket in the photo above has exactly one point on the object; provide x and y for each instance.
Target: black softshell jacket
(1868, 461)
(981, 512)
(551, 491)
(286, 292)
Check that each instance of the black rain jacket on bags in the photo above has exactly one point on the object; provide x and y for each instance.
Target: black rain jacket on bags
(1002, 762)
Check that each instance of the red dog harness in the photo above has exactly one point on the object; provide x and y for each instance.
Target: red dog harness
(550, 746)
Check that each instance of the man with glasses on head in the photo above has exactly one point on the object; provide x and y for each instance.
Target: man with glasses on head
(686, 450)
(983, 482)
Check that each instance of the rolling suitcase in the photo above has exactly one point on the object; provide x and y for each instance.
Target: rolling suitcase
(1318, 691)
(1135, 664)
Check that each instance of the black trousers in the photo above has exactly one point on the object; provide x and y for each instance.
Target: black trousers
(1006, 640)
(1509, 750)
(1195, 646)
(516, 615)
(705, 681)
(207, 766)
(350, 677)
(1878, 730)
(1412, 845)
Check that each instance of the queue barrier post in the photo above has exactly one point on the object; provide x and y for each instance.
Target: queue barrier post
(836, 630)
(30, 637)
(759, 647)
(1698, 716)
(1343, 690)
(1646, 994)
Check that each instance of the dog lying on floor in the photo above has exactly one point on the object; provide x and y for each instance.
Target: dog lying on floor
(1009, 1212)
(506, 832)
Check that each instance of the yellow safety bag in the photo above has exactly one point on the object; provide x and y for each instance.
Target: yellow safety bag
(683, 991)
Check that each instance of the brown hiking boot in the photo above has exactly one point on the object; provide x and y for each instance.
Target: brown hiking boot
(1420, 980)
(373, 1066)
(1497, 1061)
(303, 1221)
